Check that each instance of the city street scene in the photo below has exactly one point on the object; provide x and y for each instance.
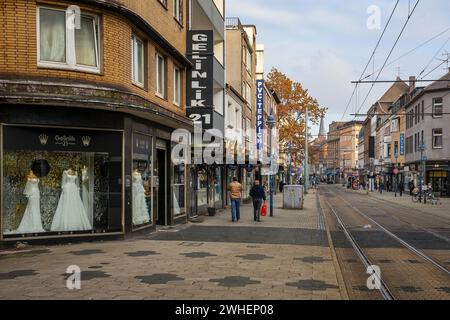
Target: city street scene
(221, 150)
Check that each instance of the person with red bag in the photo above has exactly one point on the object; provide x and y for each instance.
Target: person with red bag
(258, 195)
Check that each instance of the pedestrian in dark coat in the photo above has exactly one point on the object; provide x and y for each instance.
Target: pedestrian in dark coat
(258, 195)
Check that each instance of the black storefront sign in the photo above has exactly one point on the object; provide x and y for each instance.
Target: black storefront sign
(200, 92)
(60, 139)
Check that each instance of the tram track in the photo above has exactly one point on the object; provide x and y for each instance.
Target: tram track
(393, 274)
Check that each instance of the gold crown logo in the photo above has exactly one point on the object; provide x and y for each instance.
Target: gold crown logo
(43, 138)
(86, 141)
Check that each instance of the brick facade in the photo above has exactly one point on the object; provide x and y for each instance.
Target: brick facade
(18, 47)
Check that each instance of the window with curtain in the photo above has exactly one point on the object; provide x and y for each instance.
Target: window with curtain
(137, 61)
(160, 75)
(177, 86)
(52, 35)
(68, 48)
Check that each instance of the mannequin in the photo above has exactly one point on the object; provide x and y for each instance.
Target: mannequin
(70, 214)
(140, 207)
(31, 220)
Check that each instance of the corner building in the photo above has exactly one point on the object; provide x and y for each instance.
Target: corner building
(87, 115)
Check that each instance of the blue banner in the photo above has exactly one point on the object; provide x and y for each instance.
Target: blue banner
(402, 144)
(259, 114)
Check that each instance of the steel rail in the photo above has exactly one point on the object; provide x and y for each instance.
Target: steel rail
(398, 239)
(384, 290)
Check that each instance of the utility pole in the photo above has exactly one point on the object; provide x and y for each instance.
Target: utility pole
(306, 151)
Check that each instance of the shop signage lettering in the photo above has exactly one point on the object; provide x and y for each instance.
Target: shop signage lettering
(65, 141)
(402, 144)
(200, 97)
(58, 139)
(259, 114)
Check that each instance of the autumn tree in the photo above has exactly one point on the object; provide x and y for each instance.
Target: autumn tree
(291, 111)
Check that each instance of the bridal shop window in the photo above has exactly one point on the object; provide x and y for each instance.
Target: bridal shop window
(68, 48)
(142, 196)
(60, 182)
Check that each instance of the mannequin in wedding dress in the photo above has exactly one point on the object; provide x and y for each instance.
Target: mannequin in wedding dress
(31, 221)
(140, 207)
(70, 214)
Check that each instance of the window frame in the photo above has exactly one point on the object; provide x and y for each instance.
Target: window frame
(441, 104)
(178, 11)
(178, 82)
(160, 94)
(438, 135)
(70, 44)
(134, 40)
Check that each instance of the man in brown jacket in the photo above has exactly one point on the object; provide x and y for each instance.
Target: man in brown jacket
(235, 192)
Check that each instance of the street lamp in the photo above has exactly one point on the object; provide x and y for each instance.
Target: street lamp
(422, 172)
(396, 174)
(271, 124)
(381, 171)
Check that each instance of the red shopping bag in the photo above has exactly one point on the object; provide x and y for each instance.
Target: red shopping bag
(264, 210)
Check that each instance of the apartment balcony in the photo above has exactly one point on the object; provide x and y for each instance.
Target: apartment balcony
(207, 15)
(233, 23)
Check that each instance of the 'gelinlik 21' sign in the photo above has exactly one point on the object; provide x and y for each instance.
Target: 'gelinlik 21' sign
(259, 114)
(200, 98)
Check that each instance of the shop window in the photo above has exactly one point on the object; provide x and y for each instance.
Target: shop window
(68, 48)
(160, 76)
(60, 182)
(178, 190)
(138, 71)
(142, 187)
(202, 188)
(437, 139)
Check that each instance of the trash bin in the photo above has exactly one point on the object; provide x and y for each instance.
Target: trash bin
(293, 197)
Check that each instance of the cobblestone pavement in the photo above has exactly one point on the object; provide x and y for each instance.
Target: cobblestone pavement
(284, 257)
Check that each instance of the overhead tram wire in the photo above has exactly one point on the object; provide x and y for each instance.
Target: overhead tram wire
(410, 51)
(359, 115)
(389, 55)
(371, 57)
(432, 59)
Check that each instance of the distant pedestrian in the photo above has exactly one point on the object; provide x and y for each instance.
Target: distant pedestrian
(258, 195)
(381, 187)
(401, 188)
(411, 188)
(281, 186)
(235, 193)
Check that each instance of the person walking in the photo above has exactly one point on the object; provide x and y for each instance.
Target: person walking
(401, 188)
(258, 195)
(235, 193)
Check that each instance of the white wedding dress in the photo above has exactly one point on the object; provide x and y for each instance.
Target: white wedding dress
(140, 208)
(70, 214)
(31, 220)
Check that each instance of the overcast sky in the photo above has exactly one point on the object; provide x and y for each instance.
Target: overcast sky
(325, 44)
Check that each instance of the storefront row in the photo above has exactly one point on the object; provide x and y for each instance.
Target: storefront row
(63, 178)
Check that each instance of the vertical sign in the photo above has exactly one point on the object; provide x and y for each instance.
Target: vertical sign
(200, 94)
(402, 144)
(259, 114)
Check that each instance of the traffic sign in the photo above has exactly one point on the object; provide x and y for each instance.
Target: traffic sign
(424, 158)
